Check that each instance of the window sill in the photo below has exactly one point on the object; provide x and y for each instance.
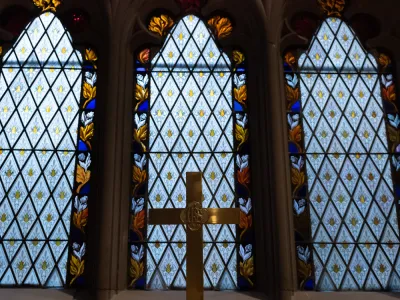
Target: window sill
(345, 296)
(181, 295)
(35, 294)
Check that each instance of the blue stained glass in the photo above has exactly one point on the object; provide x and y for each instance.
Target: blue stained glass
(82, 146)
(238, 107)
(91, 104)
(293, 148)
(144, 106)
(296, 106)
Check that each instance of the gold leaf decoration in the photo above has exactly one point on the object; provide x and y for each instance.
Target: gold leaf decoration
(90, 55)
(384, 60)
(332, 8)
(77, 268)
(80, 219)
(144, 56)
(247, 269)
(298, 179)
(222, 27)
(82, 177)
(304, 271)
(241, 135)
(160, 25)
(47, 5)
(135, 271)
(86, 134)
(89, 93)
(139, 176)
(394, 137)
(241, 94)
(292, 95)
(141, 94)
(290, 59)
(238, 57)
(140, 135)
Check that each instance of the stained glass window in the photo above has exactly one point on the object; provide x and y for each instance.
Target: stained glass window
(196, 121)
(45, 160)
(342, 164)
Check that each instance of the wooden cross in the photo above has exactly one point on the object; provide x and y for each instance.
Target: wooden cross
(194, 217)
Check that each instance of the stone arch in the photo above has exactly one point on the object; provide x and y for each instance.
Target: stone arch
(386, 39)
(91, 36)
(129, 31)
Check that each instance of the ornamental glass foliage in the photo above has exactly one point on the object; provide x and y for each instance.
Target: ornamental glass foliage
(45, 159)
(190, 115)
(343, 134)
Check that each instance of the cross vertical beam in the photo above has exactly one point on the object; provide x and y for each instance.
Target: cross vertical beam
(194, 262)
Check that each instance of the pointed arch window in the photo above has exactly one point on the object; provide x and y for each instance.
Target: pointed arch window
(190, 116)
(47, 102)
(342, 130)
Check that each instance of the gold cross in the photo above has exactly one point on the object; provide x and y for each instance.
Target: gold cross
(194, 216)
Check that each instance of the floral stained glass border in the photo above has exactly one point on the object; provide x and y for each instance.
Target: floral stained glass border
(300, 196)
(138, 219)
(75, 254)
(84, 168)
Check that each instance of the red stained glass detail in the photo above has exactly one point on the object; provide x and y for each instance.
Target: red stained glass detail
(191, 5)
(76, 20)
(305, 24)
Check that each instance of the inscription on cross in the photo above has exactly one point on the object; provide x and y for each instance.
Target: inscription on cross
(194, 216)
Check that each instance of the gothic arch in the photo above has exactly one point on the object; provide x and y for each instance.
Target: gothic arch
(129, 31)
(386, 40)
(90, 36)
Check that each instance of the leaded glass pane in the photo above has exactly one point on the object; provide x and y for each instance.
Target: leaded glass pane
(40, 91)
(191, 129)
(354, 232)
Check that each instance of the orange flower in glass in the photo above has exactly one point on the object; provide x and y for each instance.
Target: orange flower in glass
(80, 219)
(289, 59)
(384, 60)
(245, 222)
(295, 134)
(144, 56)
(160, 25)
(138, 223)
(222, 27)
(389, 93)
(332, 8)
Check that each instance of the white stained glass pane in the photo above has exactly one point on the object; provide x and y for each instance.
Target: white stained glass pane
(38, 113)
(350, 185)
(191, 129)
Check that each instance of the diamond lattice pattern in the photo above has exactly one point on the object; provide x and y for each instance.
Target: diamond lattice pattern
(40, 87)
(191, 130)
(353, 211)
